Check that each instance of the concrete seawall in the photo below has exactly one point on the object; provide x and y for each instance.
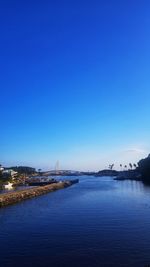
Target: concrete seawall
(17, 196)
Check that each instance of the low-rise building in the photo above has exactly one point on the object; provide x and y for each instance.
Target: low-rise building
(10, 172)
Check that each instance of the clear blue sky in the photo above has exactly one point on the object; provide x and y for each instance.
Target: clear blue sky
(75, 83)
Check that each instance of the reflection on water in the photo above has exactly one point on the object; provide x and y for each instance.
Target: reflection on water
(98, 222)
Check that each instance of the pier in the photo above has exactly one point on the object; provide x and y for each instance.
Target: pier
(17, 196)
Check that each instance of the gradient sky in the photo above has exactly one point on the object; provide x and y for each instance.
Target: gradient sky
(75, 83)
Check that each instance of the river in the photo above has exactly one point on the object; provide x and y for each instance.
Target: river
(96, 223)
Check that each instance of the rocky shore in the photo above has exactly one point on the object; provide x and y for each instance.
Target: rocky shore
(17, 196)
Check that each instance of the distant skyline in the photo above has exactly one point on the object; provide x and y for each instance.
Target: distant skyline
(75, 83)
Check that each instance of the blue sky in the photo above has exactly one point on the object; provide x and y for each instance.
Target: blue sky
(75, 83)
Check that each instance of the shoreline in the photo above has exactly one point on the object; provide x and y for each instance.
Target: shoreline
(10, 198)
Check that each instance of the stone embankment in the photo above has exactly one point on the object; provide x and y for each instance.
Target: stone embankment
(17, 196)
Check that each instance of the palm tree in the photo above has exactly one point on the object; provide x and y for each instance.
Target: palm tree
(121, 166)
(134, 165)
(130, 165)
(125, 167)
(111, 166)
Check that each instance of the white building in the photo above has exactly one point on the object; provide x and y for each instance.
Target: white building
(11, 172)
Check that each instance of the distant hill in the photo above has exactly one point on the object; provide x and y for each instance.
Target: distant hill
(67, 173)
(107, 173)
(23, 169)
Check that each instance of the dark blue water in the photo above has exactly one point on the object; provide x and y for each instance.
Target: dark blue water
(98, 222)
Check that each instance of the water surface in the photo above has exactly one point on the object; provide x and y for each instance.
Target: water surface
(98, 222)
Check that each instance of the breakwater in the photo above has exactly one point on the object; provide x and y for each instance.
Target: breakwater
(17, 196)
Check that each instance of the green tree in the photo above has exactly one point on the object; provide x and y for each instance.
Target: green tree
(144, 168)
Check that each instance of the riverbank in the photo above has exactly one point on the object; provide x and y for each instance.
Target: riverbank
(14, 197)
(128, 175)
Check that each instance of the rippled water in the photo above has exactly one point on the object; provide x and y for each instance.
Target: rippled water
(98, 222)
